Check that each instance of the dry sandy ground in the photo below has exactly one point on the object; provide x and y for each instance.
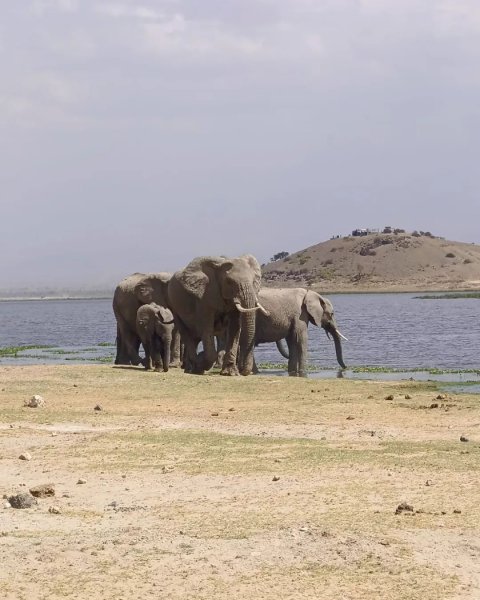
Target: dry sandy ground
(260, 487)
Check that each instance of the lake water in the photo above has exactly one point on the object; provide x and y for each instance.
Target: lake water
(397, 331)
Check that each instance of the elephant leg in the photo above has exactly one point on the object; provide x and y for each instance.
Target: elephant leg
(175, 349)
(229, 366)
(147, 345)
(293, 355)
(190, 345)
(208, 356)
(132, 346)
(165, 354)
(255, 368)
(302, 351)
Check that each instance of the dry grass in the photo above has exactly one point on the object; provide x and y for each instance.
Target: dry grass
(180, 499)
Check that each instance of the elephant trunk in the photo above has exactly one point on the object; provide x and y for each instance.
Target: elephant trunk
(338, 347)
(248, 300)
(281, 348)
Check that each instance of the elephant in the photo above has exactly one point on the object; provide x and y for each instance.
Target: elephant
(217, 295)
(290, 310)
(155, 328)
(131, 293)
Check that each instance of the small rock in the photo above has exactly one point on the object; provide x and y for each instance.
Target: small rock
(441, 397)
(403, 507)
(81, 481)
(97, 407)
(275, 478)
(464, 438)
(231, 409)
(370, 397)
(428, 482)
(54, 510)
(434, 405)
(35, 401)
(350, 418)
(457, 512)
(22, 501)
(390, 397)
(7, 504)
(408, 397)
(214, 414)
(43, 491)
(25, 456)
(54, 434)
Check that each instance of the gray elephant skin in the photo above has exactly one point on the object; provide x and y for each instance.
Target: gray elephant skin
(131, 293)
(290, 311)
(155, 328)
(215, 295)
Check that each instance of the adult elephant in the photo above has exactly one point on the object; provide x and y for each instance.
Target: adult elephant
(131, 293)
(215, 295)
(290, 310)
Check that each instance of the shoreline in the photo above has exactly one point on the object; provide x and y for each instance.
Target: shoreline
(326, 292)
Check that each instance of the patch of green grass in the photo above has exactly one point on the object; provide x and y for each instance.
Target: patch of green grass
(12, 351)
(106, 344)
(430, 370)
(195, 453)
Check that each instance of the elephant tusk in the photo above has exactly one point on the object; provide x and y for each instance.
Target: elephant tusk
(264, 310)
(240, 308)
(341, 335)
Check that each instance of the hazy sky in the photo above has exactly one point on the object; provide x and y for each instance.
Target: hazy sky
(136, 135)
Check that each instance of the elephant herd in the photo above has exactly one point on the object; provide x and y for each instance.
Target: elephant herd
(219, 302)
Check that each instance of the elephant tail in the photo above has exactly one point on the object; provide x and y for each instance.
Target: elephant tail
(281, 348)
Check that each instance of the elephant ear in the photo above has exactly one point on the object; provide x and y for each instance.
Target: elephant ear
(257, 271)
(316, 307)
(201, 273)
(164, 314)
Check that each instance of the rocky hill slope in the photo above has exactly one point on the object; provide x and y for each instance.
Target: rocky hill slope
(380, 262)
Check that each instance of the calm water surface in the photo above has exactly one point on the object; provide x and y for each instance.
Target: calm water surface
(389, 330)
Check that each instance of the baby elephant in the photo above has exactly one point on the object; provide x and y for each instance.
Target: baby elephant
(154, 328)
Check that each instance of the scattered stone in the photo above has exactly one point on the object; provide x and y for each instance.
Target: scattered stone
(54, 510)
(408, 397)
(25, 456)
(75, 385)
(457, 512)
(81, 481)
(434, 405)
(22, 501)
(428, 482)
(275, 478)
(7, 504)
(97, 407)
(441, 397)
(404, 507)
(54, 434)
(35, 401)
(43, 491)
(231, 409)
(390, 397)
(464, 438)
(370, 397)
(214, 414)
(350, 418)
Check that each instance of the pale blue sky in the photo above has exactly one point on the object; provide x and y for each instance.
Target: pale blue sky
(136, 135)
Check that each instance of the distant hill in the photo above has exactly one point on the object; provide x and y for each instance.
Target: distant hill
(379, 262)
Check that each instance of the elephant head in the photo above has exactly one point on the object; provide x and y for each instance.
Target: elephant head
(320, 313)
(210, 289)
